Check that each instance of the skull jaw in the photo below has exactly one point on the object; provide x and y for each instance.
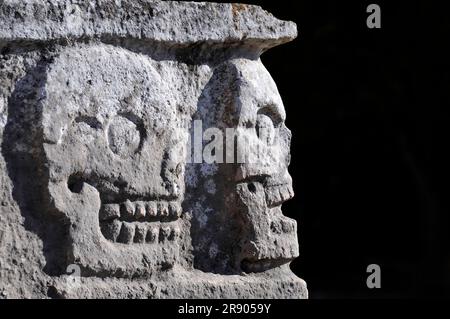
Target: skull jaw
(270, 239)
(97, 256)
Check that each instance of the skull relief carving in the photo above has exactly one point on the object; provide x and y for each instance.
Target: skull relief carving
(263, 183)
(241, 219)
(115, 171)
(117, 175)
(103, 173)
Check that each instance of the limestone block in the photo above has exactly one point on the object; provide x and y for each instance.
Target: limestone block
(143, 152)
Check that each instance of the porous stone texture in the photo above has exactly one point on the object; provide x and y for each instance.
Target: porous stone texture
(101, 195)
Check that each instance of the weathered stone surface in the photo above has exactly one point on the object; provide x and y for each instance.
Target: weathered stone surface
(100, 170)
(171, 22)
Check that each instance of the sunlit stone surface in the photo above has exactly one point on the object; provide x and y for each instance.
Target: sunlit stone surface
(97, 173)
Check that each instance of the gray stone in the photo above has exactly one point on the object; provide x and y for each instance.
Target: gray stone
(101, 193)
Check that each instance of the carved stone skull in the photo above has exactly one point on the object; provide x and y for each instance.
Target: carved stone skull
(115, 172)
(262, 181)
(237, 203)
(117, 165)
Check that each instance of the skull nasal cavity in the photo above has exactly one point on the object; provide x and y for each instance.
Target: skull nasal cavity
(75, 183)
(251, 187)
(265, 129)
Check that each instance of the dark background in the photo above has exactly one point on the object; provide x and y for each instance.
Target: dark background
(368, 109)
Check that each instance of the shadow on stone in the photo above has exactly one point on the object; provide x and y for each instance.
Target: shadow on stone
(22, 148)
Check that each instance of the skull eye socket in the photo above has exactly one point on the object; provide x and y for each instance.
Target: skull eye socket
(265, 129)
(268, 120)
(124, 136)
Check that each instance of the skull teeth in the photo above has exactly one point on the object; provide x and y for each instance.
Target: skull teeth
(127, 232)
(140, 233)
(283, 225)
(140, 222)
(163, 209)
(109, 212)
(152, 234)
(111, 230)
(141, 211)
(151, 209)
(277, 195)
